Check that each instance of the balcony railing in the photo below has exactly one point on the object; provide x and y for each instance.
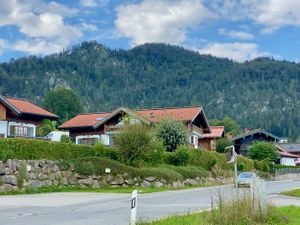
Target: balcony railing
(112, 128)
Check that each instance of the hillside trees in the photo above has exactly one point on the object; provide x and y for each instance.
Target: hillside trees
(64, 102)
(262, 93)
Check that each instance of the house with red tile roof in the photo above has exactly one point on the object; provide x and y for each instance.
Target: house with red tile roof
(19, 118)
(209, 139)
(94, 127)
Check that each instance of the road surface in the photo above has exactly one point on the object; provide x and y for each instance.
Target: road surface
(114, 209)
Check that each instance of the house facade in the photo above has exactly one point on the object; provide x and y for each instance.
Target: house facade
(94, 127)
(242, 142)
(289, 153)
(20, 118)
(209, 139)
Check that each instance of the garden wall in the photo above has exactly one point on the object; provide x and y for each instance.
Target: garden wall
(25, 174)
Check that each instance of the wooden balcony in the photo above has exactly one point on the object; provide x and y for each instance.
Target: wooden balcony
(111, 128)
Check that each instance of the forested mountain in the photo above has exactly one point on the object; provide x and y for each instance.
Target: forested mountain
(260, 93)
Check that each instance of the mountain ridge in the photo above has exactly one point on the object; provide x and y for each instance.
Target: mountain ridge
(261, 93)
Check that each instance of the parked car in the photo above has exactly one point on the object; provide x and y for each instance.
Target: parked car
(245, 179)
(56, 135)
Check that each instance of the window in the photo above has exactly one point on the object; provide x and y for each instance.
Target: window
(192, 139)
(21, 131)
(88, 141)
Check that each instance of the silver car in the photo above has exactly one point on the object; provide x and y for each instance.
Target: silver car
(245, 179)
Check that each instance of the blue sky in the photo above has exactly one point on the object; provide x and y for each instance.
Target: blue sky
(238, 29)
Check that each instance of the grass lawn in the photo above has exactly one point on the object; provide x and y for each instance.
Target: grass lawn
(97, 190)
(288, 215)
(294, 192)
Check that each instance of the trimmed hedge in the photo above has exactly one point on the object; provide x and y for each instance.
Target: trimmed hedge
(11, 148)
(97, 165)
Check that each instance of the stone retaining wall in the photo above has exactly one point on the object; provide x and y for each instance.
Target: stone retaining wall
(21, 174)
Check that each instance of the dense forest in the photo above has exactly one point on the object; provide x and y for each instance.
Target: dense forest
(261, 93)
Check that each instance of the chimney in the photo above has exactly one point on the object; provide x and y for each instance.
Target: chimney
(247, 130)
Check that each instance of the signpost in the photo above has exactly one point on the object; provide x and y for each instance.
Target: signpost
(133, 207)
(233, 160)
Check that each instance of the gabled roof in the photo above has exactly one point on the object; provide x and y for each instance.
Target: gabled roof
(285, 153)
(181, 114)
(255, 132)
(147, 115)
(85, 120)
(216, 132)
(290, 147)
(21, 106)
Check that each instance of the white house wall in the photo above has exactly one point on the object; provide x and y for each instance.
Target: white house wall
(22, 124)
(86, 136)
(287, 161)
(3, 128)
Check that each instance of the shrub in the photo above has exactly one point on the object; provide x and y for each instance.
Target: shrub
(222, 144)
(133, 141)
(262, 165)
(172, 133)
(180, 157)
(46, 127)
(156, 155)
(263, 151)
(245, 164)
(38, 149)
(107, 152)
(65, 139)
(206, 159)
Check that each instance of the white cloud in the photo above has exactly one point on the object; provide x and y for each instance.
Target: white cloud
(159, 21)
(38, 46)
(271, 14)
(88, 3)
(236, 34)
(42, 23)
(237, 51)
(3, 45)
(88, 27)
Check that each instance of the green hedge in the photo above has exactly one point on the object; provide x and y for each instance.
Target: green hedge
(38, 149)
(97, 165)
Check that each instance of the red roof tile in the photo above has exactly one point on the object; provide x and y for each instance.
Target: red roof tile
(85, 120)
(216, 132)
(28, 107)
(153, 115)
(182, 114)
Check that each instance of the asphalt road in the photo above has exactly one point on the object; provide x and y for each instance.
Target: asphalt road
(114, 209)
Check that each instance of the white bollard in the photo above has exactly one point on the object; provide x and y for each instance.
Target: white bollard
(133, 206)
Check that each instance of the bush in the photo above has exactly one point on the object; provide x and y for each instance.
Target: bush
(207, 159)
(180, 157)
(263, 151)
(156, 155)
(222, 144)
(262, 165)
(133, 142)
(245, 164)
(172, 133)
(65, 139)
(107, 152)
(38, 149)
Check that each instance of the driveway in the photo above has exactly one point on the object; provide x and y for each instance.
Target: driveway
(114, 209)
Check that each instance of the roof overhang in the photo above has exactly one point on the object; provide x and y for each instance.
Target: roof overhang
(119, 110)
(9, 105)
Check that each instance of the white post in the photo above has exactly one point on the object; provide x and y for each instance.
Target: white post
(235, 173)
(133, 207)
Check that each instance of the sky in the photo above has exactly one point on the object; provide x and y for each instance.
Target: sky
(237, 29)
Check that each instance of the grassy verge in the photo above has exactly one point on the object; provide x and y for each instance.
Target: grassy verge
(289, 215)
(141, 190)
(294, 193)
